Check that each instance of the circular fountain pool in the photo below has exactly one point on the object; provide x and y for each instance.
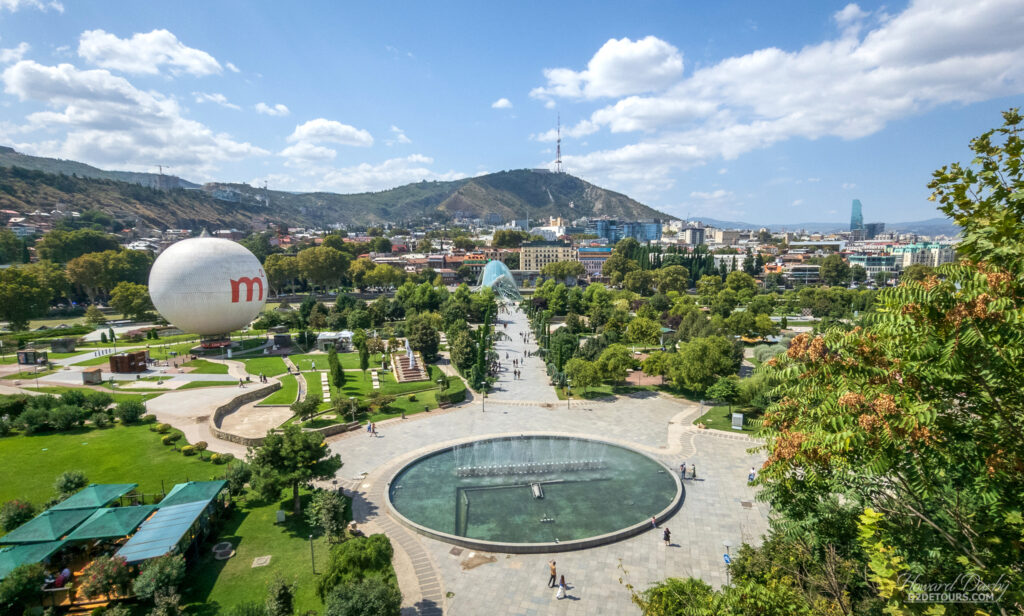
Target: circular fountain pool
(533, 493)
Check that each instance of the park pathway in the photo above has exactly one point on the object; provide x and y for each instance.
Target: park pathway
(533, 386)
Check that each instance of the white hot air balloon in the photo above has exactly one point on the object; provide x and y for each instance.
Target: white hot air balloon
(208, 286)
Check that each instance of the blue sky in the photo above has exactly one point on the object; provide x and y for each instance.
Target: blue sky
(756, 111)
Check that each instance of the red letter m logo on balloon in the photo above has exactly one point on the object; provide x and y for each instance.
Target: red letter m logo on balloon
(248, 282)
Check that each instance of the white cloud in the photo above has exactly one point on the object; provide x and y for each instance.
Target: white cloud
(398, 136)
(306, 152)
(934, 53)
(797, 202)
(501, 103)
(276, 110)
(582, 129)
(323, 130)
(14, 54)
(216, 97)
(620, 67)
(231, 67)
(16, 5)
(388, 174)
(145, 53)
(104, 120)
(849, 186)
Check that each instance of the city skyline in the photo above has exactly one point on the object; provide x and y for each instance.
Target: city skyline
(734, 113)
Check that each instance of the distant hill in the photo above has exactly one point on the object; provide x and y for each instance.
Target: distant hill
(931, 226)
(10, 158)
(519, 193)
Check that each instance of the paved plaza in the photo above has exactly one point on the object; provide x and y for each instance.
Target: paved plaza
(718, 508)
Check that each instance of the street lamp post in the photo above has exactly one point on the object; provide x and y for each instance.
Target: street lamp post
(352, 407)
(312, 560)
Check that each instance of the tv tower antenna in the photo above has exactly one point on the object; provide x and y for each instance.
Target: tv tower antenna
(558, 147)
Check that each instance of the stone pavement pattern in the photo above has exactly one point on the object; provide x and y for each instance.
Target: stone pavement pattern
(719, 506)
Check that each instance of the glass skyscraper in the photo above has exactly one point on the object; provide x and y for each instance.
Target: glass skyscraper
(856, 217)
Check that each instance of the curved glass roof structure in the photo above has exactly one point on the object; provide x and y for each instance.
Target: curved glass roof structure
(497, 276)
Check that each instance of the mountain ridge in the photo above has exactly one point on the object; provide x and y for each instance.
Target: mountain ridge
(519, 193)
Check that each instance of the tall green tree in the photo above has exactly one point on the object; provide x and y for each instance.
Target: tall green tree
(919, 416)
(835, 271)
(23, 295)
(292, 458)
(131, 299)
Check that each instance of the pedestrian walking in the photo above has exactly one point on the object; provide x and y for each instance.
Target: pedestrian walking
(752, 475)
(373, 429)
(561, 588)
(667, 536)
(654, 522)
(693, 471)
(369, 427)
(553, 578)
(682, 470)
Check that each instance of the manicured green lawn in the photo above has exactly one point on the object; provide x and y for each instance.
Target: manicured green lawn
(349, 361)
(215, 586)
(121, 454)
(268, 366)
(287, 394)
(720, 418)
(305, 362)
(202, 366)
(198, 384)
(118, 397)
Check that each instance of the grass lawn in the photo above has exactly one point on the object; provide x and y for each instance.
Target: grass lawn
(202, 366)
(198, 384)
(118, 397)
(305, 362)
(215, 586)
(604, 391)
(121, 454)
(28, 374)
(720, 418)
(350, 361)
(287, 394)
(269, 366)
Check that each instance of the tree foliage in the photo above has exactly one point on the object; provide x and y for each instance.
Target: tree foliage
(292, 458)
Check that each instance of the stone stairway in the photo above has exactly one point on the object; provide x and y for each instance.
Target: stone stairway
(404, 372)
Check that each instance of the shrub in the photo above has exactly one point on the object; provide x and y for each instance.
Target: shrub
(163, 428)
(237, 475)
(22, 588)
(412, 398)
(129, 411)
(98, 400)
(188, 450)
(100, 420)
(73, 397)
(163, 573)
(221, 458)
(5, 426)
(370, 596)
(356, 560)
(149, 418)
(327, 512)
(14, 513)
(280, 597)
(170, 439)
(34, 420)
(12, 406)
(105, 576)
(70, 482)
(64, 418)
(201, 447)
